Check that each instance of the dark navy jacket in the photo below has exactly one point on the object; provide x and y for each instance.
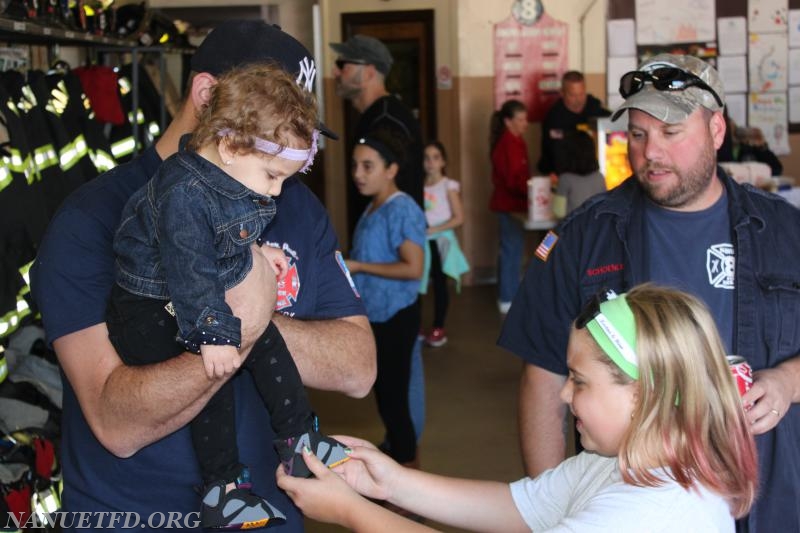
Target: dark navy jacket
(600, 245)
(186, 236)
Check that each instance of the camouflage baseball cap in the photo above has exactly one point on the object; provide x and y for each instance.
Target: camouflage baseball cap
(673, 106)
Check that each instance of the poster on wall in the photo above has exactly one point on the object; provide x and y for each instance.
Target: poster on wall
(530, 56)
(767, 16)
(768, 62)
(769, 113)
(676, 21)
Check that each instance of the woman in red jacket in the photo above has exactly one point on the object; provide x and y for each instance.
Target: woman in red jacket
(510, 173)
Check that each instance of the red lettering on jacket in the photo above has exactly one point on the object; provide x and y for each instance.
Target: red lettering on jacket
(605, 269)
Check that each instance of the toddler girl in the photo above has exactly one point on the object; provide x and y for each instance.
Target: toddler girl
(184, 239)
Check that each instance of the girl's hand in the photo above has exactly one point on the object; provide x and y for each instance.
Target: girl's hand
(276, 259)
(352, 265)
(325, 497)
(369, 471)
(220, 361)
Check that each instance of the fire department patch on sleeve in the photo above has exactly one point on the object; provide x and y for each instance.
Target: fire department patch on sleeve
(546, 246)
(343, 266)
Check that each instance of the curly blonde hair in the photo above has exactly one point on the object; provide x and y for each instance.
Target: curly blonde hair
(689, 415)
(259, 100)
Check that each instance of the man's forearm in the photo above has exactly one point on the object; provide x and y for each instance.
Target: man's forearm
(164, 398)
(541, 420)
(130, 407)
(336, 355)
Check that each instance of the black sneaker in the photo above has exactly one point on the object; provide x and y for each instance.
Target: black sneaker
(237, 509)
(330, 451)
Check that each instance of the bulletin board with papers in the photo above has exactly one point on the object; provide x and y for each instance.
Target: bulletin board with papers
(755, 45)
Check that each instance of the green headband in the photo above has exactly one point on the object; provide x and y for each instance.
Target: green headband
(614, 329)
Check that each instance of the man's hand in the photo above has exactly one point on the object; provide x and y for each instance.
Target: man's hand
(770, 397)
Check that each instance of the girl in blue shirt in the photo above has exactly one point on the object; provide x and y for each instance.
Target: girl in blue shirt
(386, 264)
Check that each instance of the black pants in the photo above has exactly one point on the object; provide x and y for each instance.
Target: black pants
(143, 332)
(394, 341)
(441, 298)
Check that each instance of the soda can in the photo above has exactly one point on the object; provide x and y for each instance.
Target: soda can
(741, 371)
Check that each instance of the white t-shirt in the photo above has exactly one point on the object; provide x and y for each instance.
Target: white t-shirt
(586, 493)
(437, 204)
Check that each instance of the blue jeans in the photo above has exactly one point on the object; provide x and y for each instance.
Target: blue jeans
(509, 259)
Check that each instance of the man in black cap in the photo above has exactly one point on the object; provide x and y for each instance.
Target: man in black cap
(126, 444)
(361, 68)
(360, 72)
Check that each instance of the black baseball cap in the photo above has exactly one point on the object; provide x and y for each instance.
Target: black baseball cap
(367, 50)
(234, 43)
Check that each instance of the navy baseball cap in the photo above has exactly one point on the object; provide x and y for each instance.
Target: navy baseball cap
(235, 43)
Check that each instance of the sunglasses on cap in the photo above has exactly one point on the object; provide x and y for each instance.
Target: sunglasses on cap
(340, 63)
(663, 79)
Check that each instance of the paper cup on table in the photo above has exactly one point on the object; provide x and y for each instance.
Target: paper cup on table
(540, 199)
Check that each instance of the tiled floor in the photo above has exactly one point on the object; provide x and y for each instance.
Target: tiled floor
(471, 385)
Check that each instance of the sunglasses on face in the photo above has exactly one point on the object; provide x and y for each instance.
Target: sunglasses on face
(340, 63)
(663, 79)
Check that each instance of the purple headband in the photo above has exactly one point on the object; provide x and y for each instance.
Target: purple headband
(284, 152)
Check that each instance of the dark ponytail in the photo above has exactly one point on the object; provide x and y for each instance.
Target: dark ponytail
(497, 124)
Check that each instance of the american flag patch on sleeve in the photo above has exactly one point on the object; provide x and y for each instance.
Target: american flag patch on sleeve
(546, 246)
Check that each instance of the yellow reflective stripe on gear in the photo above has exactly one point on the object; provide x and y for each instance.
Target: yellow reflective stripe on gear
(22, 166)
(154, 129)
(123, 147)
(139, 117)
(11, 320)
(124, 85)
(5, 174)
(73, 152)
(102, 160)
(45, 157)
(59, 98)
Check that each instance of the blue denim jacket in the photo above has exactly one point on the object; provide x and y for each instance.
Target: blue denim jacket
(186, 237)
(600, 245)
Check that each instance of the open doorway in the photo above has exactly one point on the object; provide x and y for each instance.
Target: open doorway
(409, 37)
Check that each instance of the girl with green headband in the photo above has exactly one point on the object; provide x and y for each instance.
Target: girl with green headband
(667, 444)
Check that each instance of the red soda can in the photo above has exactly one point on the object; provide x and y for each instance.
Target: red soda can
(741, 371)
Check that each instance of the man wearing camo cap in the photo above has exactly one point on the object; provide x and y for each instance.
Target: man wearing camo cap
(679, 221)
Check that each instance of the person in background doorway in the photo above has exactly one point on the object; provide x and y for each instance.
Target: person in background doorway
(443, 256)
(574, 110)
(510, 174)
(679, 221)
(386, 264)
(579, 177)
(668, 447)
(362, 65)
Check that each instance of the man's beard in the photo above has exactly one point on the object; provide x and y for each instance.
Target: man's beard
(690, 185)
(351, 89)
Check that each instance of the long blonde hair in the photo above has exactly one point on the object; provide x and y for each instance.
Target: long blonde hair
(689, 417)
